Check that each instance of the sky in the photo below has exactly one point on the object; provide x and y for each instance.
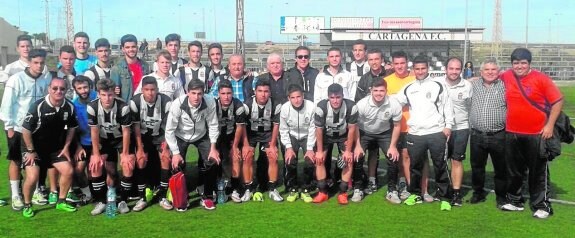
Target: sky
(549, 21)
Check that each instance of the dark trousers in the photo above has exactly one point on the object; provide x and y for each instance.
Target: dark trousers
(290, 176)
(522, 155)
(208, 171)
(417, 147)
(483, 145)
(374, 142)
(224, 146)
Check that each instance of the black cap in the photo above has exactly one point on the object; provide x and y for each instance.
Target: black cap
(128, 38)
(102, 42)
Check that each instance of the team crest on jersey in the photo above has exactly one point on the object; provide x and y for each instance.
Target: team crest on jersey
(386, 114)
(460, 96)
(173, 87)
(65, 116)
(339, 80)
(428, 95)
(202, 74)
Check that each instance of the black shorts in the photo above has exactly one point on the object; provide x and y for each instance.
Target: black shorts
(14, 146)
(457, 144)
(113, 148)
(88, 150)
(402, 141)
(46, 159)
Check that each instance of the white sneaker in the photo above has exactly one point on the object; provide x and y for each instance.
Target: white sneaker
(98, 209)
(275, 195)
(123, 207)
(247, 195)
(236, 196)
(541, 214)
(38, 198)
(17, 203)
(428, 198)
(393, 197)
(404, 194)
(357, 195)
(140, 205)
(511, 207)
(165, 204)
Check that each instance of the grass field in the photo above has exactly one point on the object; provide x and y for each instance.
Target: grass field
(374, 217)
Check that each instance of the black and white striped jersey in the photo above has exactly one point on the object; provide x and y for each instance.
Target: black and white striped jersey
(48, 123)
(151, 116)
(229, 117)
(111, 121)
(334, 122)
(261, 119)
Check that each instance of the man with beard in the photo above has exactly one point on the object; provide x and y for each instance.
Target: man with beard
(460, 93)
(128, 72)
(84, 95)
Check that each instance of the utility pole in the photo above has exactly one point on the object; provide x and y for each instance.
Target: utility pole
(240, 27)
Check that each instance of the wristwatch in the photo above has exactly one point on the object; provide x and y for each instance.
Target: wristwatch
(30, 150)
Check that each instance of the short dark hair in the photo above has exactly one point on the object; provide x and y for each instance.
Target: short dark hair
(262, 83)
(128, 38)
(335, 89)
(105, 85)
(224, 83)
(399, 54)
(302, 48)
(454, 58)
(173, 37)
(67, 49)
(360, 42)
(195, 43)
(334, 49)
(81, 34)
(375, 51)
(81, 79)
(23, 38)
(36, 53)
(521, 54)
(420, 59)
(215, 45)
(149, 80)
(196, 84)
(294, 88)
(58, 78)
(378, 82)
(102, 42)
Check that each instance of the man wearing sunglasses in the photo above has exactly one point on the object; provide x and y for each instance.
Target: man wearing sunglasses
(302, 73)
(47, 131)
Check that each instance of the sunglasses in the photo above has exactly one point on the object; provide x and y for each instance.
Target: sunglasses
(303, 56)
(63, 89)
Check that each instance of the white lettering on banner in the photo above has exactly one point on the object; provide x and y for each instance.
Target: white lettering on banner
(405, 36)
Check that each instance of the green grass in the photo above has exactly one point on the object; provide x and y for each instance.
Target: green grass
(374, 217)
